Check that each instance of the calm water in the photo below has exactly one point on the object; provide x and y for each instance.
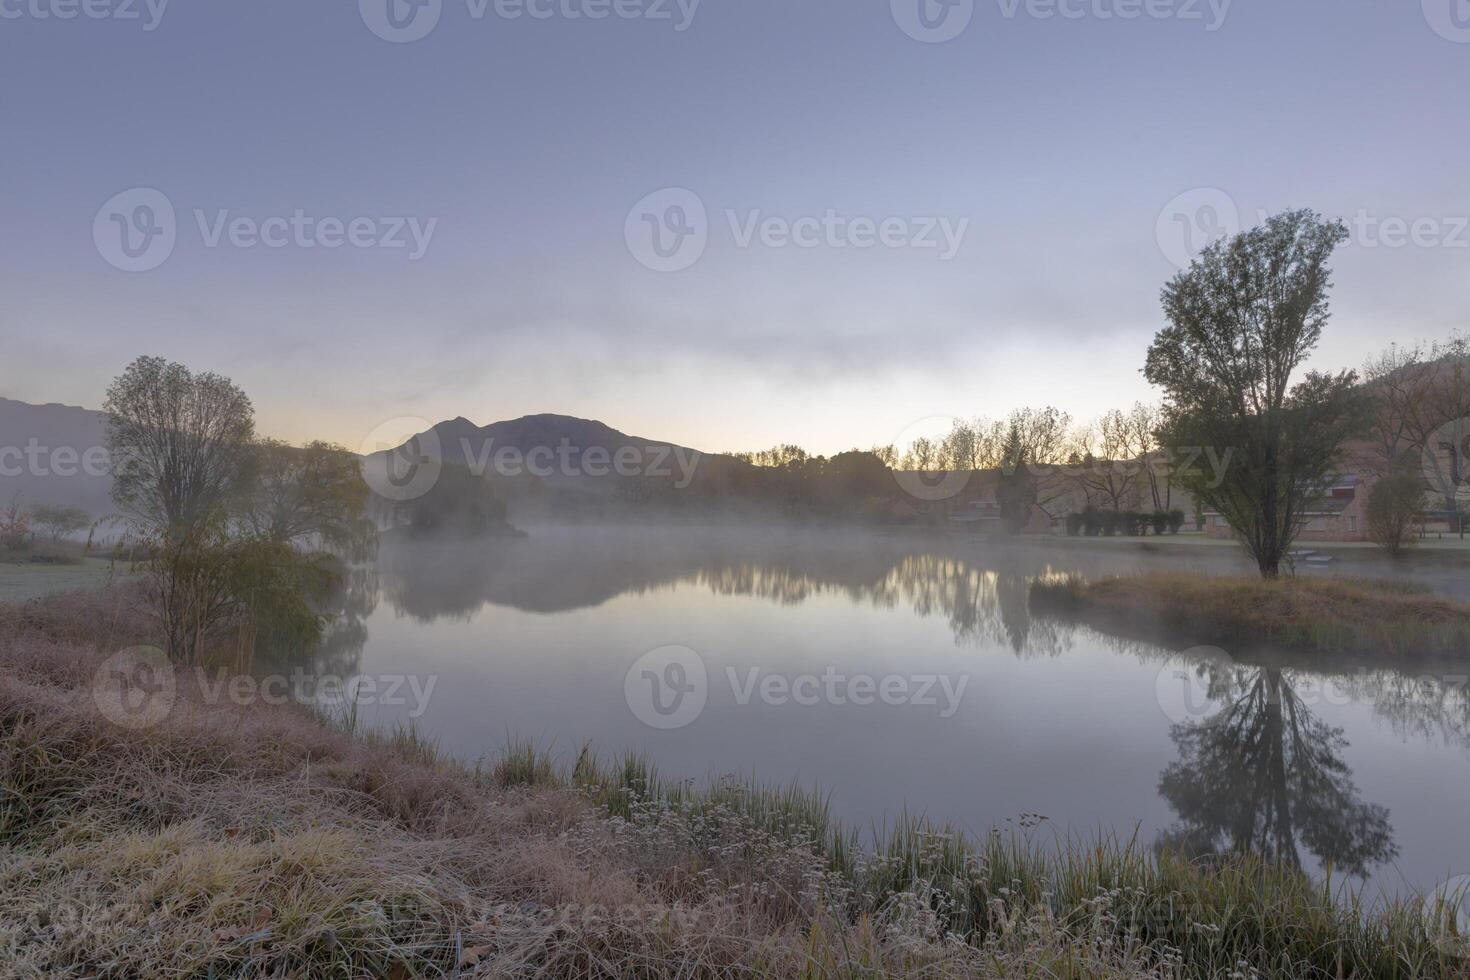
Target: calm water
(898, 672)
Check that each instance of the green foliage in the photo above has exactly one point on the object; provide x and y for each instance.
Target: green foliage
(458, 503)
(1176, 521)
(58, 520)
(1242, 318)
(1394, 504)
(180, 443)
(222, 521)
(314, 494)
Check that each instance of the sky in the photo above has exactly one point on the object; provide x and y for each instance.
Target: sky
(727, 223)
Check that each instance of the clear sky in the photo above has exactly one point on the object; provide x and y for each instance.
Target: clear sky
(987, 198)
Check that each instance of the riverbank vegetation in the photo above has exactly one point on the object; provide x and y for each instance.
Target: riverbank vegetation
(251, 840)
(1333, 616)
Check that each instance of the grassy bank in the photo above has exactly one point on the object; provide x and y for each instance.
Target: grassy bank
(1316, 615)
(263, 841)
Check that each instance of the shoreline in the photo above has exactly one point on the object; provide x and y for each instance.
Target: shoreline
(285, 843)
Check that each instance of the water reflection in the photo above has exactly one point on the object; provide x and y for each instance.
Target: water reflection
(1271, 773)
(1266, 776)
(982, 594)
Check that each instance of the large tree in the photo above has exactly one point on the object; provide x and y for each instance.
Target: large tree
(180, 443)
(313, 494)
(1242, 318)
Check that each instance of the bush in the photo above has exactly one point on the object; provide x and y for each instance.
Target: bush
(1130, 523)
(1393, 506)
(1176, 521)
(1074, 524)
(1160, 521)
(1092, 524)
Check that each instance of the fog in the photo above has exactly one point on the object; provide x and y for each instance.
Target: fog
(783, 638)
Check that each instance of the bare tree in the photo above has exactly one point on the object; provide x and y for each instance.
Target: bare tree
(1112, 464)
(180, 443)
(1423, 415)
(59, 520)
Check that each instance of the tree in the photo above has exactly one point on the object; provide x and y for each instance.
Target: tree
(15, 526)
(460, 503)
(59, 520)
(1265, 776)
(922, 455)
(1394, 504)
(1112, 466)
(180, 443)
(1242, 318)
(1015, 490)
(313, 493)
(1422, 417)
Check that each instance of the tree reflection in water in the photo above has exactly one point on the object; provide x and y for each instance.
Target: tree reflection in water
(1265, 776)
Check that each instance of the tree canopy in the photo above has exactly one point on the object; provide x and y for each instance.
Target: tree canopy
(1241, 320)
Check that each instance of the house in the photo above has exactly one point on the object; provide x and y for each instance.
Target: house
(1340, 514)
(982, 516)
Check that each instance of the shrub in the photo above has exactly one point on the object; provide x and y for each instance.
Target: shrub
(1393, 506)
(1176, 521)
(1160, 521)
(1092, 524)
(1074, 524)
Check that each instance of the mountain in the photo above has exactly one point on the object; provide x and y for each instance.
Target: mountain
(558, 443)
(54, 454)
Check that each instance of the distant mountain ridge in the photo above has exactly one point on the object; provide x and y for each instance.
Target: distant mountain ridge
(50, 454)
(462, 441)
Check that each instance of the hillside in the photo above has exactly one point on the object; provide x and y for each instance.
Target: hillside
(54, 454)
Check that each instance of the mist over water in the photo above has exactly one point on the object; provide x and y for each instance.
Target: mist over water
(904, 671)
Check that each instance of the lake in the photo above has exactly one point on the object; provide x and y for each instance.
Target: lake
(904, 671)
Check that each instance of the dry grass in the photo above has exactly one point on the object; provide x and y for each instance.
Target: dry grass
(1317, 615)
(265, 843)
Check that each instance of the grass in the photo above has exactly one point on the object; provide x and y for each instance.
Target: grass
(1332, 616)
(271, 843)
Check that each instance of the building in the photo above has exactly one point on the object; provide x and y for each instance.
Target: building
(1340, 514)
